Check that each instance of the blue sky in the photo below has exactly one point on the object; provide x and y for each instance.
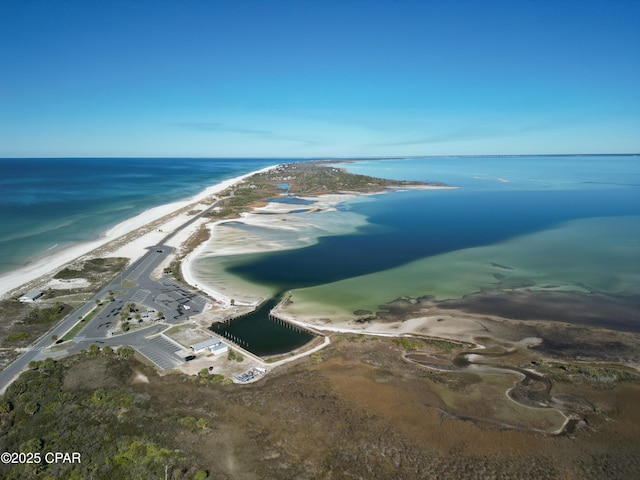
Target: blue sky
(318, 78)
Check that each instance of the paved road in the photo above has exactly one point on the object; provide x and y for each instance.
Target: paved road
(175, 301)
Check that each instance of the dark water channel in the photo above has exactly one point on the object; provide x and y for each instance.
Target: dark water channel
(261, 334)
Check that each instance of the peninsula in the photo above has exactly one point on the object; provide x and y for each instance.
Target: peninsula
(87, 274)
(131, 309)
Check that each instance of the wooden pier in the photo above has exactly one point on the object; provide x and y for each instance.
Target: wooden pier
(274, 316)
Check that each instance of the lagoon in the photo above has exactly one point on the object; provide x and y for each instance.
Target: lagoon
(535, 223)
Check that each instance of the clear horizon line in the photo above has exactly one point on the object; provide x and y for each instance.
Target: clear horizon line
(365, 157)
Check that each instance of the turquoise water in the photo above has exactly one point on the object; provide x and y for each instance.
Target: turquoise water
(47, 204)
(511, 173)
(417, 224)
(423, 224)
(554, 223)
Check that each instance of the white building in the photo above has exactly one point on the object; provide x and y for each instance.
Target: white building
(31, 296)
(219, 348)
(213, 345)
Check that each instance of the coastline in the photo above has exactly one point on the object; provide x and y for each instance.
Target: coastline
(132, 238)
(301, 231)
(260, 217)
(189, 277)
(46, 265)
(484, 373)
(435, 322)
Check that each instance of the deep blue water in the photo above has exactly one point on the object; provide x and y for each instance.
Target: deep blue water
(46, 204)
(541, 192)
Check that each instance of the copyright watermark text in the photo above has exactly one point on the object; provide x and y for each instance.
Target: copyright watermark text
(39, 457)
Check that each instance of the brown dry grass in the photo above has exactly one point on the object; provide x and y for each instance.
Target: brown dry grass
(363, 412)
(357, 409)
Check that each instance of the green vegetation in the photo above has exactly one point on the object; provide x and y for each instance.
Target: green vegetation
(306, 178)
(98, 272)
(139, 457)
(175, 270)
(115, 430)
(599, 375)
(47, 314)
(94, 270)
(233, 355)
(21, 323)
(444, 345)
(408, 344)
(315, 178)
(28, 322)
(16, 337)
(125, 351)
(194, 425)
(206, 377)
(80, 324)
(316, 357)
(482, 396)
(93, 351)
(5, 406)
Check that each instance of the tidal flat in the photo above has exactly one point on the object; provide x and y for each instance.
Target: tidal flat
(363, 407)
(517, 225)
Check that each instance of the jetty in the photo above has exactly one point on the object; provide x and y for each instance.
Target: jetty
(276, 315)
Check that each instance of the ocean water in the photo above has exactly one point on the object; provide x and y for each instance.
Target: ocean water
(566, 224)
(552, 224)
(511, 173)
(49, 204)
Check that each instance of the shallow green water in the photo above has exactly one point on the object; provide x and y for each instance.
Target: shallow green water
(570, 224)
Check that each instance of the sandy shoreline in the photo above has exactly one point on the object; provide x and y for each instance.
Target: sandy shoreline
(292, 230)
(132, 238)
(12, 282)
(266, 216)
(189, 277)
(280, 229)
(148, 228)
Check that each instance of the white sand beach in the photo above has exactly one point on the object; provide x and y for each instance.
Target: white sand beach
(133, 248)
(273, 228)
(278, 226)
(459, 327)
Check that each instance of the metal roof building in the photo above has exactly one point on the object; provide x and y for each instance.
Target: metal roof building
(31, 296)
(214, 345)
